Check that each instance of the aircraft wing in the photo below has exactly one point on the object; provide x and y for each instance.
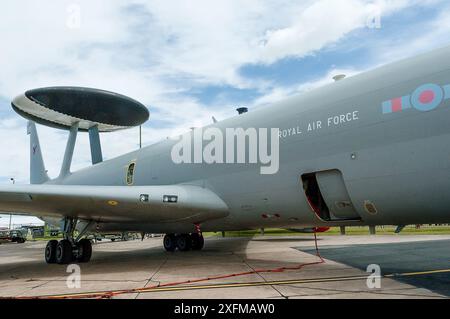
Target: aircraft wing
(154, 204)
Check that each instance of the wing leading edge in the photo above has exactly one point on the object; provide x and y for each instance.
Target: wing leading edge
(150, 204)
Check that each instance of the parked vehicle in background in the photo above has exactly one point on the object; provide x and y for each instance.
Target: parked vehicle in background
(13, 236)
(54, 232)
(17, 236)
(113, 237)
(4, 235)
(117, 236)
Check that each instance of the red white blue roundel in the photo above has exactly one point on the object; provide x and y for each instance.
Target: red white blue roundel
(426, 97)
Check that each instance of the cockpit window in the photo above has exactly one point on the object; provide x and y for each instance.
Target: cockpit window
(130, 173)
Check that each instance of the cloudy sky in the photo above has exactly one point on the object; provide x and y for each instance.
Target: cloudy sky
(190, 60)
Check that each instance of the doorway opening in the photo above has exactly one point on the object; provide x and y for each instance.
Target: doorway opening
(328, 197)
(314, 196)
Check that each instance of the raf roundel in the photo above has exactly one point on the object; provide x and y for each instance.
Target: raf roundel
(427, 97)
(62, 107)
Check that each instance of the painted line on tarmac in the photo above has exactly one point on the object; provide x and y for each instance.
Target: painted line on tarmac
(238, 285)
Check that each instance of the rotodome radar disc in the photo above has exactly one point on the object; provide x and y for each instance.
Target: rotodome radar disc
(61, 107)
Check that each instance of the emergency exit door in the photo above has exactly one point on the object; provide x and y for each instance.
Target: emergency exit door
(328, 196)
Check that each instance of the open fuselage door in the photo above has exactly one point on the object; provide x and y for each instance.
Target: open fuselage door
(328, 196)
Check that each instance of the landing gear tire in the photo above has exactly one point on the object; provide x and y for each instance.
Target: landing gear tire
(50, 252)
(198, 242)
(184, 242)
(64, 252)
(170, 242)
(71, 248)
(84, 251)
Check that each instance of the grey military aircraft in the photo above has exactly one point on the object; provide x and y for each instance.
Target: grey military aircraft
(366, 150)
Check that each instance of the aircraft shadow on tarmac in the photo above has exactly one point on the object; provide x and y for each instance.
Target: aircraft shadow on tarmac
(398, 258)
(109, 259)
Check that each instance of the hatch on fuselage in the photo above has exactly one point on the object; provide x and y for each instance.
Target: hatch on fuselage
(328, 197)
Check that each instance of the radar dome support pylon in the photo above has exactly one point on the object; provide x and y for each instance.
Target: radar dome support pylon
(96, 146)
(68, 154)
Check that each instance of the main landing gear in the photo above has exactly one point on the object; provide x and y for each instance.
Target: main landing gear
(184, 242)
(69, 249)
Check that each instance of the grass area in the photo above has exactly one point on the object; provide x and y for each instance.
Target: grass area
(350, 231)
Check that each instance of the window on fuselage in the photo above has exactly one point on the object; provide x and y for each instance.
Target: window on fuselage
(130, 173)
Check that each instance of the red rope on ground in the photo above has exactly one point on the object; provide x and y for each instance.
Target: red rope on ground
(110, 294)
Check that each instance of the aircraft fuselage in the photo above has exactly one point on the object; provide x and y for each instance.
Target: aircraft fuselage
(376, 145)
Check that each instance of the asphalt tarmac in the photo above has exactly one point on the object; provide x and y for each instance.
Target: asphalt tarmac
(238, 268)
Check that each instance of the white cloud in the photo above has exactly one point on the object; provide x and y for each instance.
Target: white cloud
(213, 39)
(155, 50)
(429, 35)
(316, 26)
(279, 93)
